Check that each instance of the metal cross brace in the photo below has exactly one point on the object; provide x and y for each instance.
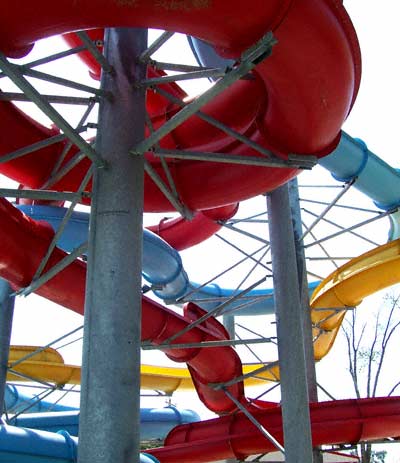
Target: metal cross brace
(248, 62)
(20, 81)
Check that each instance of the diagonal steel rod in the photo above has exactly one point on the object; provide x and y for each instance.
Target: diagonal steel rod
(156, 45)
(64, 170)
(233, 310)
(326, 392)
(43, 348)
(62, 226)
(349, 229)
(195, 290)
(342, 206)
(250, 330)
(88, 42)
(247, 219)
(251, 350)
(249, 60)
(255, 265)
(15, 75)
(66, 392)
(214, 312)
(62, 81)
(238, 379)
(164, 164)
(249, 256)
(181, 208)
(37, 398)
(51, 58)
(69, 145)
(258, 425)
(30, 378)
(245, 233)
(321, 246)
(57, 268)
(190, 75)
(265, 392)
(327, 209)
(35, 147)
(214, 122)
(331, 222)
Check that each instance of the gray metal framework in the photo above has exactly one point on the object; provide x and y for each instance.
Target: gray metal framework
(116, 225)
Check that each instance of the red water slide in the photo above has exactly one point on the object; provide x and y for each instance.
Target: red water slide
(25, 241)
(296, 101)
(234, 436)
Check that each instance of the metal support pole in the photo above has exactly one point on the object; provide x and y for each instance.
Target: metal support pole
(304, 299)
(229, 323)
(303, 285)
(6, 319)
(295, 407)
(110, 398)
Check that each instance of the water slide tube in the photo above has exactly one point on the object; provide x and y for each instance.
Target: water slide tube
(20, 445)
(234, 436)
(293, 120)
(162, 264)
(353, 161)
(155, 423)
(350, 161)
(25, 241)
(191, 309)
(49, 366)
(155, 311)
(15, 400)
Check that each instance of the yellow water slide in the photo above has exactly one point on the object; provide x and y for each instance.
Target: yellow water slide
(343, 289)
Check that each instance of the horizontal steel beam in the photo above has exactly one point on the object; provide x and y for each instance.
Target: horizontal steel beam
(228, 342)
(47, 195)
(293, 162)
(56, 99)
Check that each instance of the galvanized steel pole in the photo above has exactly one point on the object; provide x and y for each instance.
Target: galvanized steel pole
(304, 299)
(295, 406)
(6, 319)
(110, 398)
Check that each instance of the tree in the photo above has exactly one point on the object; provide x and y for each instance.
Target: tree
(369, 343)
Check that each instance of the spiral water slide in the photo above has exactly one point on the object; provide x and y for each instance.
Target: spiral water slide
(303, 115)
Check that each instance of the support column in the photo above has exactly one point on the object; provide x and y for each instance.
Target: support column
(110, 397)
(6, 319)
(295, 408)
(304, 299)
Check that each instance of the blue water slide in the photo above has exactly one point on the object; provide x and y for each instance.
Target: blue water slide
(155, 423)
(16, 401)
(350, 161)
(353, 161)
(162, 266)
(22, 445)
